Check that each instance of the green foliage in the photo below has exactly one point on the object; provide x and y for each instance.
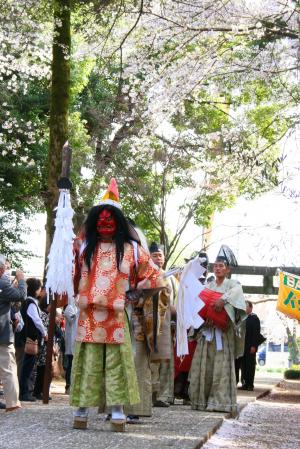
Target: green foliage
(12, 237)
(99, 99)
(80, 75)
(82, 169)
(257, 91)
(24, 152)
(292, 373)
(264, 369)
(246, 146)
(294, 349)
(23, 148)
(205, 114)
(269, 124)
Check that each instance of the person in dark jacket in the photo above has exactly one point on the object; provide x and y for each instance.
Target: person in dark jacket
(35, 330)
(8, 367)
(252, 341)
(41, 357)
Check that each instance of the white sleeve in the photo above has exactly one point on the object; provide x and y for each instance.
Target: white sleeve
(33, 314)
(70, 313)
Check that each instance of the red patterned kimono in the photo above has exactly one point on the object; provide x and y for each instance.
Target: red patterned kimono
(102, 292)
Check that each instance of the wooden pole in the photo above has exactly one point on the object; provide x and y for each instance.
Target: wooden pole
(64, 181)
(66, 160)
(49, 354)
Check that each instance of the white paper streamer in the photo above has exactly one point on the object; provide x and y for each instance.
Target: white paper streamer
(189, 303)
(60, 258)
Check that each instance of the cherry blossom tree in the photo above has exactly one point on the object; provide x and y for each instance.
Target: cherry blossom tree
(24, 69)
(221, 75)
(177, 61)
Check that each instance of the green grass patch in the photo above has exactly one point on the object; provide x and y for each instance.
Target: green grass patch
(264, 369)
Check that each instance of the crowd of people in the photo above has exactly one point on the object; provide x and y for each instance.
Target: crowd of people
(119, 336)
(24, 323)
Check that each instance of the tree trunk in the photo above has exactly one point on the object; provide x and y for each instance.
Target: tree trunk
(207, 230)
(294, 350)
(163, 234)
(60, 92)
(207, 233)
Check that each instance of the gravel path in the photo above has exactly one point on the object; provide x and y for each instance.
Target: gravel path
(39, 426)
(50, 427)
(265, 424)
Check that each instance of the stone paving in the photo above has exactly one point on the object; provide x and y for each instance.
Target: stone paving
(269, 423)
(39, 426)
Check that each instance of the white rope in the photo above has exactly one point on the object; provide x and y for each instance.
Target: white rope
(60, 258)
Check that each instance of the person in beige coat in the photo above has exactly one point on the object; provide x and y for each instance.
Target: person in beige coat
(8, 366)
(162, 361)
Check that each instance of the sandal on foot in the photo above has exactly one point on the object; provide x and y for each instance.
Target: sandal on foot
(118, 425)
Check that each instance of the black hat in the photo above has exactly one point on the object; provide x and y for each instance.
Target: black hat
(222, 259)
(156, 247)
(201, 254)
(226, 255)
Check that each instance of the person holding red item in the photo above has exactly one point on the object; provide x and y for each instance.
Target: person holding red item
(182, 365)
(212, 376)
(109, 262)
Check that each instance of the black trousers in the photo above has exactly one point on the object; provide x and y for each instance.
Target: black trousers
(248, 369)
(238, 367)
(26, 373)
(181, 386)
(39, 380)
(68, 359)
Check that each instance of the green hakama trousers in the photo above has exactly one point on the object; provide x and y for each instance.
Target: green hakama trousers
(104, 375)
(212, 375)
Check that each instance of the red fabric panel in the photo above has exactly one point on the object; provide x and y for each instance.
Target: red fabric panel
(219, 319)
(183, 364)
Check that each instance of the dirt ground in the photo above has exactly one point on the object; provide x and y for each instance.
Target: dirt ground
(281, 393)
(270, 422)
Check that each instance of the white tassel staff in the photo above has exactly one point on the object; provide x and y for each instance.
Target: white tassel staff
(60, 265)
(60, 259)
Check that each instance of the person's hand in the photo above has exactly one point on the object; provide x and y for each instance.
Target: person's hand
(46, 338)
(252, 350)
(173, 312)
(219, 305)
(17, 306)
(20, 275)
(15, 323)
(133, 296)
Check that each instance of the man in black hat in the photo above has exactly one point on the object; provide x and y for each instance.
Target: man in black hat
(212, 379)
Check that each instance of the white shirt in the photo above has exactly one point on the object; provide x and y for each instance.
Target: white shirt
(32, 312)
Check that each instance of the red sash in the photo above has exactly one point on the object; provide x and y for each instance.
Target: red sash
(219, 319)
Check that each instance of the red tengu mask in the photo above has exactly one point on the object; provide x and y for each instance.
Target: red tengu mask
(106, 224)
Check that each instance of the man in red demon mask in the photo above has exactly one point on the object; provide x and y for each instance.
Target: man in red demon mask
(109, 262)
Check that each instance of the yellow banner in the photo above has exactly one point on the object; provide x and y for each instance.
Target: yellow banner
(289, 295)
